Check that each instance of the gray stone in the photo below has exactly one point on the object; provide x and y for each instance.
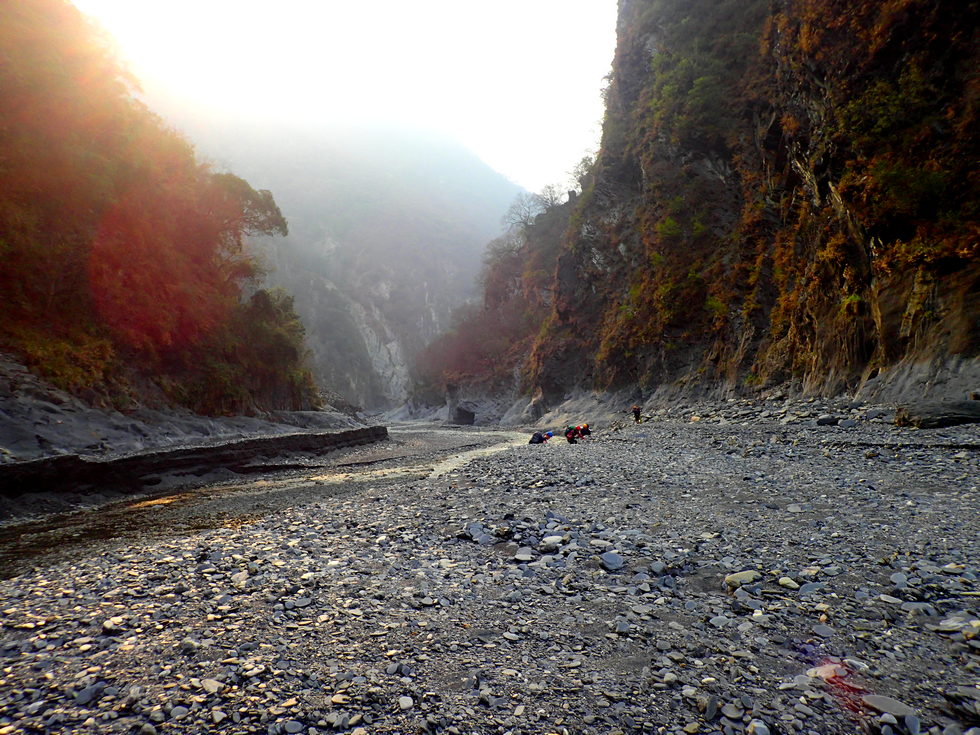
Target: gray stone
(405, 703)
(88, 694)
(919, 608)
(611, 561)
(740, 578)
(711, 708)
(732, 711)
(883, 704)
(550, 543)
(524, 554)
(211, 686)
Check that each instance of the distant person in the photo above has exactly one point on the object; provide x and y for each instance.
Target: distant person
(584, 431)
(636, 413)
(540, 438)
(571, 434)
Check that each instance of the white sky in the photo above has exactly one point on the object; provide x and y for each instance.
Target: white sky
(516, 81)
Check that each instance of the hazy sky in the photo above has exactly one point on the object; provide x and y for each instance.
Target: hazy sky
(516, 81)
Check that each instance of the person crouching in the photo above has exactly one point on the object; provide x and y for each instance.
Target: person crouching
(540, 438)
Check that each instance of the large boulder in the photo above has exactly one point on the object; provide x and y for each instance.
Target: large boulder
(935, 415)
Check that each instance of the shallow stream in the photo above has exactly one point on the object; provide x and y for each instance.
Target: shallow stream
(411, 453)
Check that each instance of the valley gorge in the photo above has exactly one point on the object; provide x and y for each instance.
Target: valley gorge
(387, 228)
(777, 202)
(237, 494)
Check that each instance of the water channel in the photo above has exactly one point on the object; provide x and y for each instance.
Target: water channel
(412, 452)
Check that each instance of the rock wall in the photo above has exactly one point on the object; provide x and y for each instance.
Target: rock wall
(388, 357)
(783, 196)
(339, 341)
(358, 349)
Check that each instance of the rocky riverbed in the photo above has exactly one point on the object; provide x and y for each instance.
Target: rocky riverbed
(747, 571)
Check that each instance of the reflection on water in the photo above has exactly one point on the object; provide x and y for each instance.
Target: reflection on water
(454, 463)
(157, 501)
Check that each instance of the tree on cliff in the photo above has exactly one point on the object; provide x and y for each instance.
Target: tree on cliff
(522, 211)
(526, 207)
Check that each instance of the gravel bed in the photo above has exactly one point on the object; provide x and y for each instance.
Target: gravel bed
(738, 573)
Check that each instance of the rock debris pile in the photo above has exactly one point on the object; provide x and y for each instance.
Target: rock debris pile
(672, 577)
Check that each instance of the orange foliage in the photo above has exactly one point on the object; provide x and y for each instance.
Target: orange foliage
(111, 231)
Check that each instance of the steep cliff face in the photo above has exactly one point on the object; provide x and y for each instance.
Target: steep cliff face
(786, 191)
(338, 348)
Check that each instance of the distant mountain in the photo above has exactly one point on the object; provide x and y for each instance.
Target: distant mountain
(387, 228)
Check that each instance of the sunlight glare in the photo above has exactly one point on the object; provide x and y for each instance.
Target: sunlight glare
(518, 81)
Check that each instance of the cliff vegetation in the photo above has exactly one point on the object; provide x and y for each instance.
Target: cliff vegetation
(125, 273)
(489, 339)
(786, 192)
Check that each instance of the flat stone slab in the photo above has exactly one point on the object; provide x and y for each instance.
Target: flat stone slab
(887, 704)
(936, 415)
(740, 578)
